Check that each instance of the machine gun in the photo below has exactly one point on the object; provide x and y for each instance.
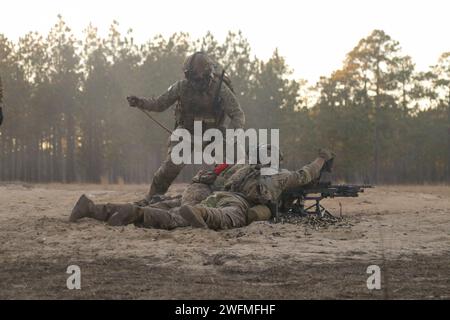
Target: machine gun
(293, 200)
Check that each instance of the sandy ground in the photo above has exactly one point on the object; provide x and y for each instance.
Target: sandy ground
(405, 230)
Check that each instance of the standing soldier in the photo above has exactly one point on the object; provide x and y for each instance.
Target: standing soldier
(1, 101)
(202, 96)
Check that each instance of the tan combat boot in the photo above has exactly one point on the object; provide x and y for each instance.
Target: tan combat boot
(86, 208)
(196, 216)
(125, 214)
(83, 209)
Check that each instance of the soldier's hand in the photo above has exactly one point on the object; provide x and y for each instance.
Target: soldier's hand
(205, 176)
(135, 102)
(326, 154)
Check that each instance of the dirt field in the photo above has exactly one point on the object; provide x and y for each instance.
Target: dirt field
(404, 230)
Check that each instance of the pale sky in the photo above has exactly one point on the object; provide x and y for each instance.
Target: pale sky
(313, 35)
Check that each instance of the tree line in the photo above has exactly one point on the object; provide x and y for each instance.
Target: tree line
(67, 120)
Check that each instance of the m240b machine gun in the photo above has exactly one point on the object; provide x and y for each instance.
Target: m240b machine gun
(292, 201)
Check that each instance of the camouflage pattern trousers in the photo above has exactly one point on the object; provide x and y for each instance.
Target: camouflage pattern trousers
(165, 214)
(165, 174)
(221, 210)
(225, 210)
(168, 171)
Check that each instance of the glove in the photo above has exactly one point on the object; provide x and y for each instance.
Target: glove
(326, 154)
(204, 176)
(135, 102)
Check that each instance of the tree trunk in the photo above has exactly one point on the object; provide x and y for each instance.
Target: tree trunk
(448, 141)
(70, 160)
(377, 133)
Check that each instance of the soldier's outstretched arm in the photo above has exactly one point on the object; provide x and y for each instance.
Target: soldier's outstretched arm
(285, 179)
(232, 108)
(309, 172)
(162, 103)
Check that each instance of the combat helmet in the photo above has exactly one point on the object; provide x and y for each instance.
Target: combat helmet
(198, 70)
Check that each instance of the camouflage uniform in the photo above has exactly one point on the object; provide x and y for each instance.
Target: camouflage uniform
(203, 185)
(192, 105)
(160, 215)
(245, 189)
(166, 215)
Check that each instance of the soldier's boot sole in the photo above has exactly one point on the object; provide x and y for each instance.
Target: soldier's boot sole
(193, 217)
(81, 209)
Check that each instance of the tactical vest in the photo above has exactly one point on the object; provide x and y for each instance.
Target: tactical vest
(193, 106)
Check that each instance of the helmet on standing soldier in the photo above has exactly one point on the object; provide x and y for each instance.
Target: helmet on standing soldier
(198, 70)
